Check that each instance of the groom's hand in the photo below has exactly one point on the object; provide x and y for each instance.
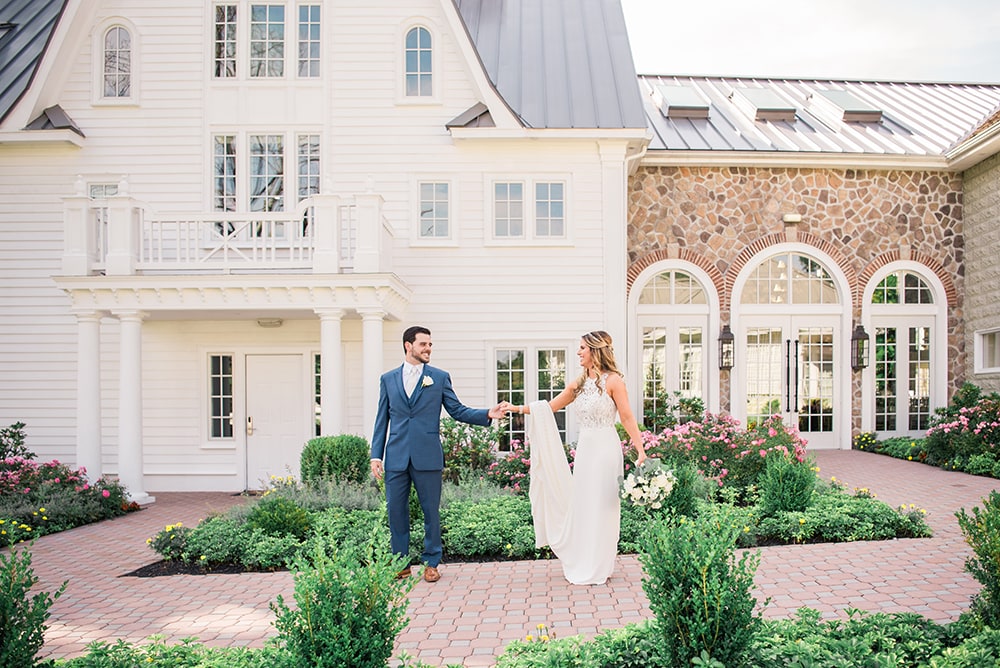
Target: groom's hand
(499, 410)
(377, 470)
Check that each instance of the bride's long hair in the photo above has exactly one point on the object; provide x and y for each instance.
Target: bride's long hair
(602, 356)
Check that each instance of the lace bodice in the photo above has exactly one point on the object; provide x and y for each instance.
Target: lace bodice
(595, 406)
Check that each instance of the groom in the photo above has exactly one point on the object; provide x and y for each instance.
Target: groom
(406, 443)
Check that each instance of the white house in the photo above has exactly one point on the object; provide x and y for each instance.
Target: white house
(205, 199)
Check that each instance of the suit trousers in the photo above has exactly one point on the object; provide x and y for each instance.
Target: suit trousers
(397, 497)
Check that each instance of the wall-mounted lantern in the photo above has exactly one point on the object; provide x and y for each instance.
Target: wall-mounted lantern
(727, 348)
(859, 348)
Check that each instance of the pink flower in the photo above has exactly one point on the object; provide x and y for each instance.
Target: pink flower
(763, 453)
(105, 493)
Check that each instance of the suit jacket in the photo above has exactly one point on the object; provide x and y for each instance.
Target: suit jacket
(408, 429)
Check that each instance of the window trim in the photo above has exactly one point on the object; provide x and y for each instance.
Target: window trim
(290, 61)
(416, 239)
(208, 442)
(290, 142)
(437, 80)
(97, 65)
(529, 237)
(979, 351)
(531, 348)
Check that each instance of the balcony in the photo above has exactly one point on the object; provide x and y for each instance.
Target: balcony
(325, 234)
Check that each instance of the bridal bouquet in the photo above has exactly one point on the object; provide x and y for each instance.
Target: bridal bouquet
(648, 485)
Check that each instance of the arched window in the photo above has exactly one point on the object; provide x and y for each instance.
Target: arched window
(903, 343)
(419, 63)
(673, 310)
(117, 77)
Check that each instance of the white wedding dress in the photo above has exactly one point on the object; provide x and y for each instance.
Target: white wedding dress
(578, 514)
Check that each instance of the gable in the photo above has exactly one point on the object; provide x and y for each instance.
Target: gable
(28, 27)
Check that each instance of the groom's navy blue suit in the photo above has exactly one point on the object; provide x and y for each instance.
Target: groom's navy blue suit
(407, 438)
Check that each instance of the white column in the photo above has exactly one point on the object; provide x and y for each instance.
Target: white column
(371, 366)
(332, 396)
(130, 406)
(88, 393)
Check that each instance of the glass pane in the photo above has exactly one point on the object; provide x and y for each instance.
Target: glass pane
(765, 366)
(815, 382)
(887, 292)
(811, 283)
(510, 387)
(768, 284)
(885, 378)
(552, 380)
(915, 291)
(920, 378)
(654, 363)
(690, 366)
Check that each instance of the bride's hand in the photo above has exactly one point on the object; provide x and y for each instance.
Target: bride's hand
(640, 458)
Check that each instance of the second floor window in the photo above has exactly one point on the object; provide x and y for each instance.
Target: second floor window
(419, 72)
(117, 63)
(266, 40)
(434, 214)
(250, 172)
(541, 217)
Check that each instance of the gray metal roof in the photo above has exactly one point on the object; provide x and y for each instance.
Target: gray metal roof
(918, 119)
(29, 24)
(558, 63)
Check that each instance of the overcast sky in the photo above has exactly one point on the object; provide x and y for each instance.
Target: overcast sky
(899, 40)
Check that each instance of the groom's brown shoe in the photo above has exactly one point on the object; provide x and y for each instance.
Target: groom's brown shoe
(431, 574)
(405, 573)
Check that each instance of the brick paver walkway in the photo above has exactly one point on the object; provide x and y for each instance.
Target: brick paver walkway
(476, 609)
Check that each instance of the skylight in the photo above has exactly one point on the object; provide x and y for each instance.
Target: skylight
(681, 102)
(762, 104)
(840, 105)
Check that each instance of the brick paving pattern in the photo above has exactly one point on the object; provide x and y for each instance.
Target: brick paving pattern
(477, 609)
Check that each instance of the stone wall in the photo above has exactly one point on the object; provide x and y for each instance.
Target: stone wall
(718, 218)
(982, 291)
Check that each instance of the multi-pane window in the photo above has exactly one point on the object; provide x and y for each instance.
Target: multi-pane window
(550, 202)
(902, 287)
(434, 210)
(249, 172)
(224, 49)
(117, 78)
(790, 279)
(673, 287)
(522, 374)
(884, 354)
(267, 40)
(508, 209)
(276, 39)
(267, 173)
(419, 63)
(920, 378)
(309, 31)
(221, 396)
(544, 217)
(308, 153)
(224, 172)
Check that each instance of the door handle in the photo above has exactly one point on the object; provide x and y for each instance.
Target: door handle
(249, 426)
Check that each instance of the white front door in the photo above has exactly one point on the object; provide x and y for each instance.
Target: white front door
(790, 368)
(277, 422)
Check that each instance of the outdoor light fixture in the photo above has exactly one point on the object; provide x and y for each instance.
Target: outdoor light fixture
(727, 348)
(859, 348)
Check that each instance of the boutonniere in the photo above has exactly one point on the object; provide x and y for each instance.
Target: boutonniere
(427, 381)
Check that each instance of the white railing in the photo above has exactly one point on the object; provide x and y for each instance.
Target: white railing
(324, 234)
(227, 242)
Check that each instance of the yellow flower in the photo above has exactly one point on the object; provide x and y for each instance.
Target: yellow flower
(802, 520)
(41, 510)
(149, 541)
(833, 478)
(529, 637)
(545, 638)
(203, 557)
(746, 529)
(540, 627)
(910, 458)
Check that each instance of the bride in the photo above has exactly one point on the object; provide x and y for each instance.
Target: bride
(578, 514)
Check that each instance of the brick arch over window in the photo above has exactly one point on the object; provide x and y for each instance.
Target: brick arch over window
(766, 242)
(920, 258)
(696, 259)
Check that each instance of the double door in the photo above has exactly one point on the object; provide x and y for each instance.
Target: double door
(790, 368)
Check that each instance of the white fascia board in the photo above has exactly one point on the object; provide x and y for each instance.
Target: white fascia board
(505, 134)
(661, 158)
(975, 149)
(42, 137)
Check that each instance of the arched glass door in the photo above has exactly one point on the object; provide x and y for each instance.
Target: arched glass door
(790, 347)
(672, 313)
